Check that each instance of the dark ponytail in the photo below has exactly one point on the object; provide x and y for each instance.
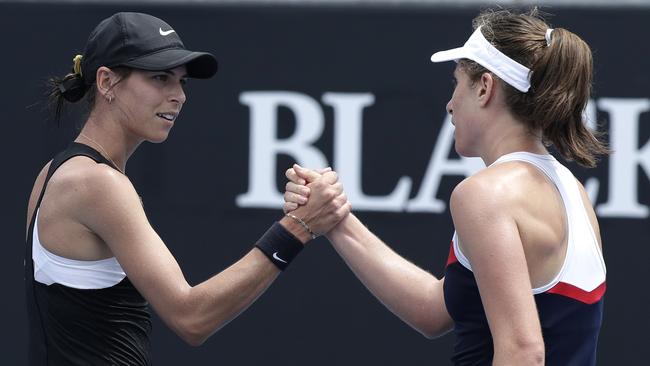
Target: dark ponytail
(561, 78)
(71, 88)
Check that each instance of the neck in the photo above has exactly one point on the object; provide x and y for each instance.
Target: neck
(509, 135)
(109, 139)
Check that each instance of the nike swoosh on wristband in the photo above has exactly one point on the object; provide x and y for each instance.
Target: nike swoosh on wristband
(165, 33)
(275, 256)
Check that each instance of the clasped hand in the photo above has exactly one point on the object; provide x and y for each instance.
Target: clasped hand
(316, 197)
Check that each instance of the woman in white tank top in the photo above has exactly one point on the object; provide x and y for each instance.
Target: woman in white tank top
(525, 228)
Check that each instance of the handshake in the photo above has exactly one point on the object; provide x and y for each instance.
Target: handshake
(315, 200)
(315, 204)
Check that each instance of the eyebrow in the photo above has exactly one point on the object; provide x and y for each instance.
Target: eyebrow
(172, 73)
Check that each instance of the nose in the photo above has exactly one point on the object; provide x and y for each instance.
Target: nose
(450, 110)
(178, 94)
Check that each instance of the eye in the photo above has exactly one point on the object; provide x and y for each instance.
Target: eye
(184, 81)
(454, 82)
(161, 77)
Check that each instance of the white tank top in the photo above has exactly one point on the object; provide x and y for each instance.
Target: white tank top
(50, 268)
(583, 272)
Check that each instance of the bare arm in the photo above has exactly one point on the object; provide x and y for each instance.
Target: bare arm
(111, 208)
(411, 293)
(490, 239)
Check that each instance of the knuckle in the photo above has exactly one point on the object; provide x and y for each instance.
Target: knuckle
(343, 198)
(317, 184)
(329, 176)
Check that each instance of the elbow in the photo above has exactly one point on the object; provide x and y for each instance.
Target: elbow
(532, 356)
(427, 331)
(523, 352)
(190, 327)
(428, 334)
(193, 339)
(191, 333)
(537, 354)
(533, 352)
(432, 329)
(432, 332)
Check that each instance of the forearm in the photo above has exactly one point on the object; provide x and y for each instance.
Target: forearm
(216, 301)
(409, 292)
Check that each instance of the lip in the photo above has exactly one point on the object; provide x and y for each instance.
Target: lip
(168, 116)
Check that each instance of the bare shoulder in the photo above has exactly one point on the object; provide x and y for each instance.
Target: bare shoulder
(83, 175)
(82, 184)
(36, 192)
(474, 199)
(492, 187)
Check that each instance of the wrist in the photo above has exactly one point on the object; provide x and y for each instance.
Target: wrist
(279, 245)
(296, 229)
(342, 228)
(302, 223)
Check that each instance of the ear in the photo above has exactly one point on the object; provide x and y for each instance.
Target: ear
(486, 89)
(105, 79)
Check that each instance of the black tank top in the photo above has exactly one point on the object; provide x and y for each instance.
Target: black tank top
(68, 326)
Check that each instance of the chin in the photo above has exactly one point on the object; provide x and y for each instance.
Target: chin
(159, 138)
(464, 151)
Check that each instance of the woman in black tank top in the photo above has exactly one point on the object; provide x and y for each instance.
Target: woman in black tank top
(85, 213)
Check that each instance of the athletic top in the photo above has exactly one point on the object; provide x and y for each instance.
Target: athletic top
(81, 312)
(570, 306)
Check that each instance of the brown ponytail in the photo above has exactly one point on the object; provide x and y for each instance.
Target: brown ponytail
(561, 78)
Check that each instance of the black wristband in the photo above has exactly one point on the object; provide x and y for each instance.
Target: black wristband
(279, 245)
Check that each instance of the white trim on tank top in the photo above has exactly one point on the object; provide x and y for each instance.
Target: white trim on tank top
(529, 158)
(50, 268)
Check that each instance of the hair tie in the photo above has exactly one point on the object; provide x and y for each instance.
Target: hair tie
(73, 88)
(548, 36)
(76, 67)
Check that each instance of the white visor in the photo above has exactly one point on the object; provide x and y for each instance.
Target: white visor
(478, 49)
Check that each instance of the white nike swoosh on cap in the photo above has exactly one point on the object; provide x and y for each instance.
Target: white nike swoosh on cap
(275, 256)
(165, 33)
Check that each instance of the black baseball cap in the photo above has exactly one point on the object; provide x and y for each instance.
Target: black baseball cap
(141, 41)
